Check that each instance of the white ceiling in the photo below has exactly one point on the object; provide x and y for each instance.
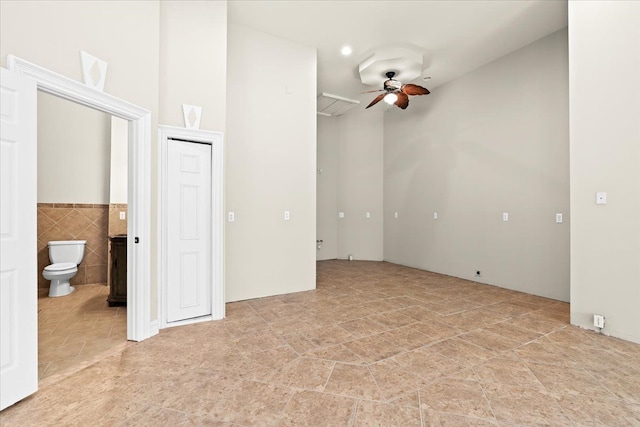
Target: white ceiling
(455, 36)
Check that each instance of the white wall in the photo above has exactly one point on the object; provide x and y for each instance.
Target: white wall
(493, 141)
(271, 165)
(360, 183)
(118, 187)
(125, 34)
(350, 151)
(193, 61)
(604, 64)
(74, 145)
(327, 188)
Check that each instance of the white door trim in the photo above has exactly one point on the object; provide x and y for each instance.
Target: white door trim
(215, 139)
(139, 211)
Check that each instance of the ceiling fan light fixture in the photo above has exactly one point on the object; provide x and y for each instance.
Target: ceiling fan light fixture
(390, 98)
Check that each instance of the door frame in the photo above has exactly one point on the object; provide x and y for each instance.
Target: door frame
(215, 139)
(139, 325)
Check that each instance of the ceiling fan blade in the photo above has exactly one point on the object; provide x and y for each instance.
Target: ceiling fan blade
(371, 91)
(376, 100)
(402, 101)
(411, 89)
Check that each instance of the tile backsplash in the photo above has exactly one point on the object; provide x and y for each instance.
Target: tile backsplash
(117, 225)
(73, 221)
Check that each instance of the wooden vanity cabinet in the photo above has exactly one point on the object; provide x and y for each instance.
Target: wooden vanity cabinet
(118, 284)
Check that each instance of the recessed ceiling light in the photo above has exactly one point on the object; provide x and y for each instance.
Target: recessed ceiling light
(346, 50)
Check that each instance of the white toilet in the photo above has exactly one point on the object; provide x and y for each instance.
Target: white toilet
(65, 256)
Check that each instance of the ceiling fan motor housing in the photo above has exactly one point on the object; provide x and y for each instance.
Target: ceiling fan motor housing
(392, 85)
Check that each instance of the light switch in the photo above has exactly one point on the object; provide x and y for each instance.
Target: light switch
(368, 215)
(601, 198)
(232, 217)
(395, 215)
(287, 216)
(505, 216)
(123, 215)
(435, 215)
(340, 214)
(559, 218)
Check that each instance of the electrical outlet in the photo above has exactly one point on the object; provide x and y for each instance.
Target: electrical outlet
(232, 217)
(368, 215)
(435, 215)
(505, 216)
(123, 215)
(598, 321)
(287, 216)
(395, 215)
(559, 218)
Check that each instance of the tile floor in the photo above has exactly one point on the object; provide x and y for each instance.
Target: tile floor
(75, 329)
(375, 344)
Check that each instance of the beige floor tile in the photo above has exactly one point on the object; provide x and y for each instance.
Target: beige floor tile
(428, 363)
(507, 370)
(441, 419)
(462, 352)
(303, 373)
(373, 348)
(342, 354)
(363, 327)
(338, 353)
(458, 397)
(253, 403)
(524, 406)
(407, 337)
(489, 340)
(394, 379)
(384, 414)
(308, 408)
(569, 381)
(353, 381)
(585, 410)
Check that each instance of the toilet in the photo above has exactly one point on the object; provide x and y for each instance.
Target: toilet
(65, 256)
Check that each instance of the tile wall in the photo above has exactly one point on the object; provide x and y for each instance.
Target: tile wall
(69, 221)
(117, 225)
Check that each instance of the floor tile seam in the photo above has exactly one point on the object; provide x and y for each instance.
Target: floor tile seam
(373, 377)
(547, 392)
(422, 420)
(354, 412)
(333, 367)
(495, 417)
(486, 382)
(359, 398)
(470, 417)
(283, 411)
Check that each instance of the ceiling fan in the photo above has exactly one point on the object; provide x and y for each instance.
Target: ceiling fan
(396, 92)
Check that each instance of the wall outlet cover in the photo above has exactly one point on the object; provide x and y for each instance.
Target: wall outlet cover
(598, 321)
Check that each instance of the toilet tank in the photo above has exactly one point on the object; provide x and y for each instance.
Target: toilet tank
(66, 251)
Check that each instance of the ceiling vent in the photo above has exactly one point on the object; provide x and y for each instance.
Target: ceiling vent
(333, 105)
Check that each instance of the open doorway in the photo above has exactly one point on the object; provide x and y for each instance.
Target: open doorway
(82, 197)
(139, 325)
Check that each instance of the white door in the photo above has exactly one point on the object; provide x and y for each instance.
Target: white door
(188, 230)
(18, 253)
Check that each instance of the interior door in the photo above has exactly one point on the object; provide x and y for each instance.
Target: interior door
(18, 253)
(189, 230)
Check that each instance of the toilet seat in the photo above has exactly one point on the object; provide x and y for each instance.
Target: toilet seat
(60, 267)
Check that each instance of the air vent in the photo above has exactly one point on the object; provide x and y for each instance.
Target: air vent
(333, 105)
